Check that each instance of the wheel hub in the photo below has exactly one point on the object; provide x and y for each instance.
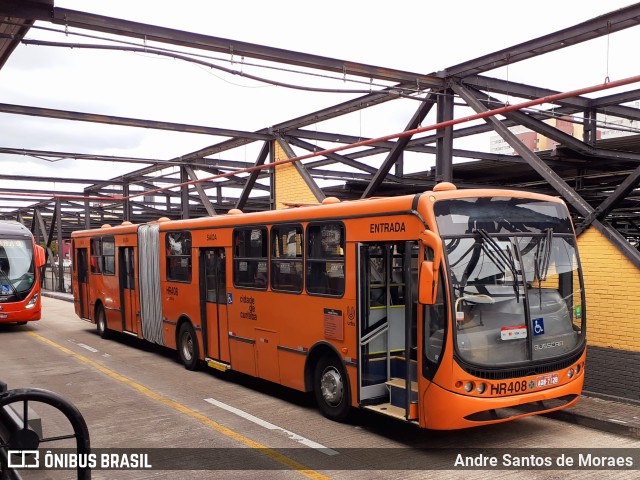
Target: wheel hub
(332, 387)
(187, 346)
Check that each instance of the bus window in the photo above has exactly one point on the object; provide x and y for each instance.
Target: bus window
(325, 259)
(96, 255)
(286, 258)
(178, 245)
(250, 257)
(108, 256)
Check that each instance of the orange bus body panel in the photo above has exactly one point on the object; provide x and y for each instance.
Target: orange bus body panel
(444, 409)
(273, 334)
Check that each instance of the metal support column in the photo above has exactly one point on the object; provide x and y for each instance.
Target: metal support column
(87, 212)
(589, 134)
(126, 204)
(184, 193)
(444, 142)
(58, 226)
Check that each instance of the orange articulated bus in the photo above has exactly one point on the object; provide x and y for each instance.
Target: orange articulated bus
(448, 309)
(20, 262)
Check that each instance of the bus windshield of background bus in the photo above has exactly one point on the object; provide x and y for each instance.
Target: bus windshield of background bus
(17, 272)
(514, 274)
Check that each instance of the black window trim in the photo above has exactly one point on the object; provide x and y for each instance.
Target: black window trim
(167, 256)
(111, 239)
(308, 260)
(272, 259)
(236, 259)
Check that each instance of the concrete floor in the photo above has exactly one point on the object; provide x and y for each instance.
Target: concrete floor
(136, 396)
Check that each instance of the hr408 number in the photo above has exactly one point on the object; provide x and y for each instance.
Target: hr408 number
(504, 388)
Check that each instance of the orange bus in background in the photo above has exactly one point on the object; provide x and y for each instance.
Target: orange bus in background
(449, 309)
(20, 262)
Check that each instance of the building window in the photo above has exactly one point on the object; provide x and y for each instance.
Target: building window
(250, 257)
(286, 258)
(325, 259)
(178, 246)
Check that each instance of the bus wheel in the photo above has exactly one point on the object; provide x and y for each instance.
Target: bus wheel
(21, 323)
(101, 323)
(188, 346)
(331, 389)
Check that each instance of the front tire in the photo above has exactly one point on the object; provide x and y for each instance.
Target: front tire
(331, 389)
(188, 347)
(101, 323)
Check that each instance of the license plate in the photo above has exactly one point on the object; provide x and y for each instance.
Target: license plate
(547, 380)
(3, 315)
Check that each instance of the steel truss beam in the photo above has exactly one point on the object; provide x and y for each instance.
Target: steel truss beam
(582, 156)
(570, 195)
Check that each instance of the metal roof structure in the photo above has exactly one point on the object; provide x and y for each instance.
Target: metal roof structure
(598, 178)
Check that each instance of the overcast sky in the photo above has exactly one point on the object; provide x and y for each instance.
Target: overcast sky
(411, 35)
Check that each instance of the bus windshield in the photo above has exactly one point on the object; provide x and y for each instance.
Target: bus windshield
(515, 279)
(17, 268)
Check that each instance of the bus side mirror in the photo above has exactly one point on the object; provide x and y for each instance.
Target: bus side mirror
(428, 289)
(40, 257)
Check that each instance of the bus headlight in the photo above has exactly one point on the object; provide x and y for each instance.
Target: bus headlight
(570, 373)
(481, 388)
(468, 387)
(578, 368)
(32, 302)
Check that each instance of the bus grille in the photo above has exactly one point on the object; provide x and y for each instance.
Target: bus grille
(506, 373)
(525, 408)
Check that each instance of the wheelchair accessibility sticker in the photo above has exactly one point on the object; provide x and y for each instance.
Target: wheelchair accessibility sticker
(538, 326)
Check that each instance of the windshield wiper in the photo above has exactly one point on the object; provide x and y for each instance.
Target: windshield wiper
(543, 255)
(499, 257)
(3, 275)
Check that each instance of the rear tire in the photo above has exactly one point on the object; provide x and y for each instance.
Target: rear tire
(101, 323)
(188, 347)
(331, 389)
(21, 323)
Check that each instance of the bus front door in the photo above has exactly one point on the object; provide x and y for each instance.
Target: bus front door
(387, 353)
(82, 266)
(128, 308)
(213, 295)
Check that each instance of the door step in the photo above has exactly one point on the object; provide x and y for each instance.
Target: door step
(392, 411)
(223, 367)
(398, 392)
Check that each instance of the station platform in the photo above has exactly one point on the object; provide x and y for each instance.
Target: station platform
(613, 416)
(595, 411)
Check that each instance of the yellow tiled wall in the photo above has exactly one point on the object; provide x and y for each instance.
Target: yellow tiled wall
(612, 285)
(290, 186)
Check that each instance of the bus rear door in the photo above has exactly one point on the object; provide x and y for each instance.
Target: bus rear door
(82, 270)
(213, 294)
(128, 306)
